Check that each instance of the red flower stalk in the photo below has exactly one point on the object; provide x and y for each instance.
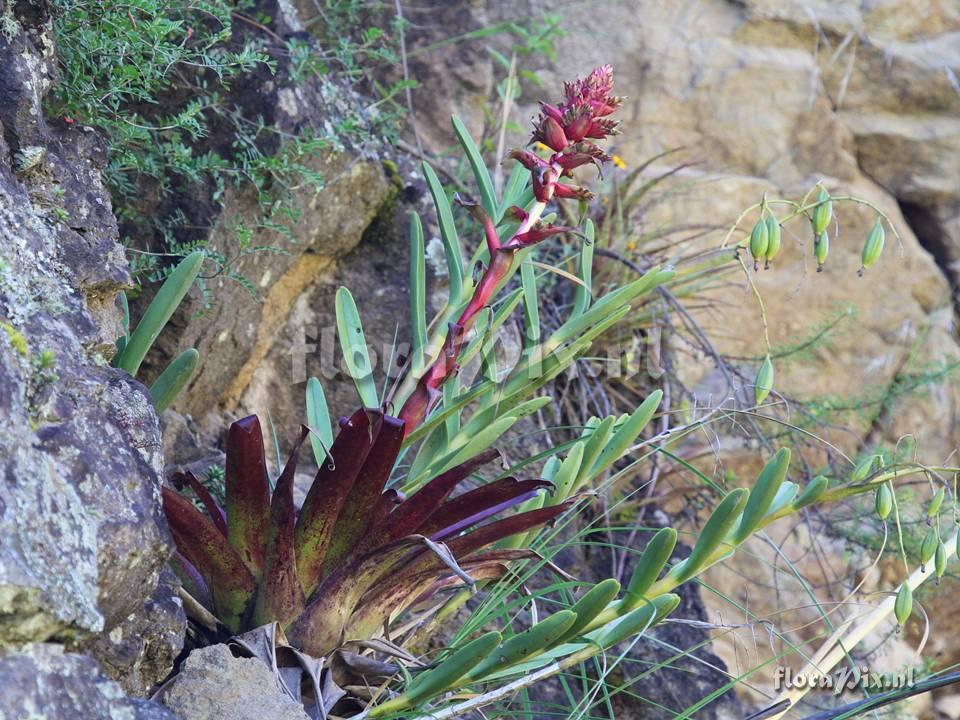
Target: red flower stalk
(564, 129)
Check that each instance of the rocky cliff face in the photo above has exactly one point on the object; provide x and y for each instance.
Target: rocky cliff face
(80, 462)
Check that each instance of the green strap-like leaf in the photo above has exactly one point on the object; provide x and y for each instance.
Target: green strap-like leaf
(584, 293)
(531, 310)
(448, 233)
(318, 418)
(353, 344)
(418, 293)
(159, 312)
(173, 379)
(480, 172)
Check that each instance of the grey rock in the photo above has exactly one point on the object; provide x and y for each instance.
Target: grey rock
(140, 652)
(43, 682)
(79, 441)
(214, 684)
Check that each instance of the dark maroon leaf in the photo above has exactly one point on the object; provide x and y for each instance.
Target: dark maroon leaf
(499, 529)
(248, 492)
(410, 516)
(354, 517)
(328, 493)
(213, 509)
(280, 597)
(191, 579)
(477, 505)
(230, 582)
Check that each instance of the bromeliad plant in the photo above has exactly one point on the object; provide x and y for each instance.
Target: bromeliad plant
(355, 554)
(320, 571)
(375, 542)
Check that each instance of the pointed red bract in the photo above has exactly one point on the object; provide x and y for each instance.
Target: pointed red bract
(248, 492)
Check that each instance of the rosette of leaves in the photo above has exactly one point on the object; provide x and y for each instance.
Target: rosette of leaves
(356, 554)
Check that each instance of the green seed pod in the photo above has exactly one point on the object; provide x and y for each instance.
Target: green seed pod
(863, 469)
(872, 247)
(936, 502)
(590, 605)
(940, 560)
(763, 493)
(821, 247)
(812, 492)
(759, 242)
(525, 645)
(822, 212)
(764, 382)
(454, 667)
(958, 545)
(929, 546)
(904, 604)
(651, 562)
(773, 239)
(884, 501)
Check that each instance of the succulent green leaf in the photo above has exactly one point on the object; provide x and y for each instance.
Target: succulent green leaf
(418, 293)
(452, 668)
(637, 621)
(627, 432)
(593, 602)
(713, 535)
(159, 312)
(173, 379)
(353, 344)
(318, 418)
(566, 477)
(526, 644)
(653, 559)
(812, 492)
(480, 172)
(448, 233)
(763, 493)
(583, 294)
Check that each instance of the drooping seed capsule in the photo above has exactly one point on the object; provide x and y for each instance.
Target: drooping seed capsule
(758, 242)
(764, 382)
(936, 502)
(821, 247)
(822, 212)
(872, 247)
(773, 240)
(903, 605)
(884, 501)
(940, 560)
(929, 546)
